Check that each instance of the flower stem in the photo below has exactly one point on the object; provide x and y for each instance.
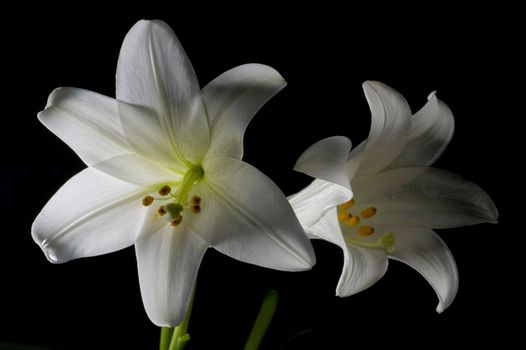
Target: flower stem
(266, 312)
(166, 337)
(180, 336)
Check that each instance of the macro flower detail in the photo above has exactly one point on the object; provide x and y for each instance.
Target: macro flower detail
(165, 173)
(397, 199)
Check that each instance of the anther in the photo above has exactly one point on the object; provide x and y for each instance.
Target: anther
(365, 231)
(161, 211)
(196, 208)
(352, 220)
(367, 213)
(343, 215)
(165, 190)
(177, 221)
(147, 201)
(196, 200)
(346, 205)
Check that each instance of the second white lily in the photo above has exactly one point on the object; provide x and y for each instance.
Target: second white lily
(396, 199)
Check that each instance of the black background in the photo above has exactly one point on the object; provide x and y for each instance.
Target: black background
(470, 57)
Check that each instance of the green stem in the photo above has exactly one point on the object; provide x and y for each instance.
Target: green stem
(266, 312)
(180, 335)
(166, 337)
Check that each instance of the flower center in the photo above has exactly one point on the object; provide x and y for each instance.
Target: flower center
(357, 232)
(178, 200)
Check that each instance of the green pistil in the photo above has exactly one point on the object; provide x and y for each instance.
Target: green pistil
(386, 241)
(193, 175)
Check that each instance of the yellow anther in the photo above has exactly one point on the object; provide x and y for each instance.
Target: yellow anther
(196, 200)
(196, 208)
(161, 211)
(165, 190)
(147, 201)
(365, 231)
(346, 205)
(177, 221)
(367, 213)
(352, 220)
(343, 215)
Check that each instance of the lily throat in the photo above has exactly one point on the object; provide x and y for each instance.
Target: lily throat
(356, 230)
(178, 200)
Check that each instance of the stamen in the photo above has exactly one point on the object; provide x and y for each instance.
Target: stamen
(343, 216)
(346, 205)
(161, 211)
(196, 209)
(365, 231)
(177, 221)
(367, 213)
(147, 201)
(165, 190)
(196, 200)
(352, 220)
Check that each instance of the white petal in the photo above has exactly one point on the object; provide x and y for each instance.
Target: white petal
(246, 216)
(390, 125)
(326, 160)
(362, 267)
(426, 197)
(431, 130)
(137, 170)
(87, 122)
(168, 262)
(154, 72)
(92, 214)
(232, 99)
(328, 228)
(315, 200)
(424, 251)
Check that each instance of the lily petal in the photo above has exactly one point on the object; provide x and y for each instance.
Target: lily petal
(154, 72)
(315, 200)
(424, 251)
(232, 99)
(92, 214)
(425, 197)
(87, 122)
(246, 216)
(168, 262)
(326, 160)
(137, 170)
(390, 125)
(361, 267)
(431, 131)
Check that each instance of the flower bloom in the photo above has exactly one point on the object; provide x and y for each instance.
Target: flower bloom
(165, 173)
(396, 198)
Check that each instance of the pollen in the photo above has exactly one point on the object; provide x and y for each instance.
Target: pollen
(367, 213)
(365, 231)
(196, 200)
(147, 201)
(165, 190)
(343, 215)
(346, 205)
(352, 220)
(177, 221)
(196, 209)
(161, 211)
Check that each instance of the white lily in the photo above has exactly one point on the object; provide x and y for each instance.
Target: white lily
(396, 199)
(165, 173)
